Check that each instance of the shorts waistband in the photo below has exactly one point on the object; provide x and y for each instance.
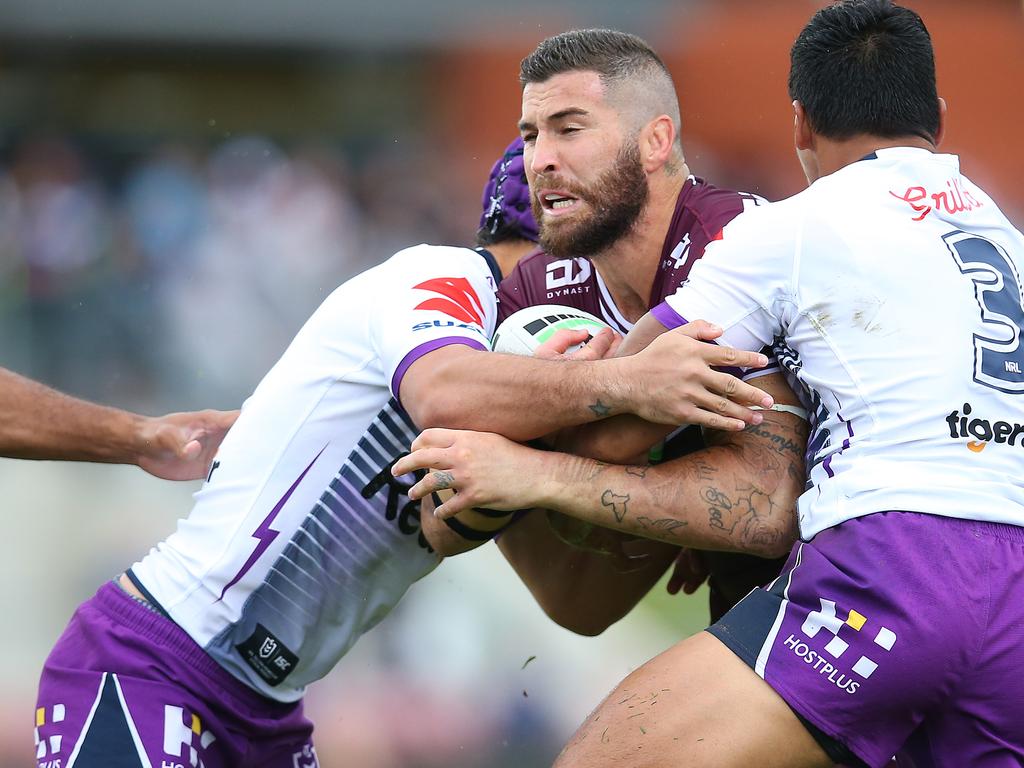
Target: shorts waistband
(1005, 531)
(156, 628)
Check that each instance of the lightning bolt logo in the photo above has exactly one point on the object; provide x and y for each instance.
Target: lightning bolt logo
(264, 534)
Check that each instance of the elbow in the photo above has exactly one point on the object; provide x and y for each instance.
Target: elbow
(776, 537)
(778, 547)
(431, 412)
(579, 623)
(574, 612)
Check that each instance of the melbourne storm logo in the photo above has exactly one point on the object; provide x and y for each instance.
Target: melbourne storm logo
(459, 299)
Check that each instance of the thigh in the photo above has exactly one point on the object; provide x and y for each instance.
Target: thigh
(696, 704)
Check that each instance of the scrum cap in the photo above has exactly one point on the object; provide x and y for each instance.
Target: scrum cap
(506, 201)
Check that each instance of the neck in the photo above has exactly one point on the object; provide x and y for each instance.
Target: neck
(628, 267)
(833, 155)
(508, 253)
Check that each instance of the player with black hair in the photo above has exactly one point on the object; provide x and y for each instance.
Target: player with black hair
(891, 288)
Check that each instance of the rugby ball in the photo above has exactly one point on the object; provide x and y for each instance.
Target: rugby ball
(525, 330)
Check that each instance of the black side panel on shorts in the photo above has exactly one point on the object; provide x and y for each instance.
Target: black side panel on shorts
(744, 630)
(108, 742)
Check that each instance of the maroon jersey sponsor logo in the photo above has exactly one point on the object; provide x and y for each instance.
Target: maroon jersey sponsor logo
(567, 277)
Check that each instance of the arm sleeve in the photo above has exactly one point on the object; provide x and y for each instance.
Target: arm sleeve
(744, 283)
(434, 296)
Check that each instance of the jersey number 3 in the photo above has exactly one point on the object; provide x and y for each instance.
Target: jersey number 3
(998, 357)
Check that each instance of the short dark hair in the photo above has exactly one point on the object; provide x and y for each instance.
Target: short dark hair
(611, 54)
(866, 67)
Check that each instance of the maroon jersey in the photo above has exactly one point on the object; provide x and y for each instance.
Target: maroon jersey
(702, 210)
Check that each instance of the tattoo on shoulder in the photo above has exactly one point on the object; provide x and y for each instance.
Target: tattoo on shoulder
(638, 471)
(600, 409)
(617, 502)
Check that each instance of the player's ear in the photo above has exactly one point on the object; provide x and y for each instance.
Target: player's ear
(803, 137)
(656, 141)
(940, 134)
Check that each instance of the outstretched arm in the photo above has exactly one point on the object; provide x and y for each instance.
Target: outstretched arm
(670, 382)
(37, 422)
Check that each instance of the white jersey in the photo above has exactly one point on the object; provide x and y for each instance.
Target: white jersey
(301, 540)
(891, 290)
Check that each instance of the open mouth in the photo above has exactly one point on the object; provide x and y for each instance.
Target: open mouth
(557, 203)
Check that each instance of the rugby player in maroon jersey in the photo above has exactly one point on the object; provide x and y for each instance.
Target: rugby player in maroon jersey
(621, 221)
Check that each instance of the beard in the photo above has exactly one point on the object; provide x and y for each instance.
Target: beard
(616, 200)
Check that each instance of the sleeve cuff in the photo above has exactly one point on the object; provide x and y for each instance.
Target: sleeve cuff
(419, 351)
(667, 316)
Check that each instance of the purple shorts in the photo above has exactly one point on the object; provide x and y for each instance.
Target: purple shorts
(125, 686)
(897, 634)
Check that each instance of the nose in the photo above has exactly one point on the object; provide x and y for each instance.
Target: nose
(544, 158)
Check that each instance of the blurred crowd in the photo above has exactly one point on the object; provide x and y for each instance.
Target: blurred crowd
(174, 277)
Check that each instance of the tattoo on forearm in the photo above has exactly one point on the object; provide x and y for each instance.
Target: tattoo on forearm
(663, 525)
(705, 472)
(780, 443)
(617, 503)
(638, 471)
(600, 409)
(742, 502)
(749, 519)
(443, 480)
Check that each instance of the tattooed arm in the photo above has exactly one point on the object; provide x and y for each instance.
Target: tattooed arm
(738, 494)
(670, 382)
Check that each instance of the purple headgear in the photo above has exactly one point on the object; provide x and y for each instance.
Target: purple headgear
(506, 203)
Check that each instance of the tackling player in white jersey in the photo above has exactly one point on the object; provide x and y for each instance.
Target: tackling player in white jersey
(301, 539)
(892, 291)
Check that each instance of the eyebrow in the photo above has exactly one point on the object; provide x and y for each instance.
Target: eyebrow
(525, 125)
